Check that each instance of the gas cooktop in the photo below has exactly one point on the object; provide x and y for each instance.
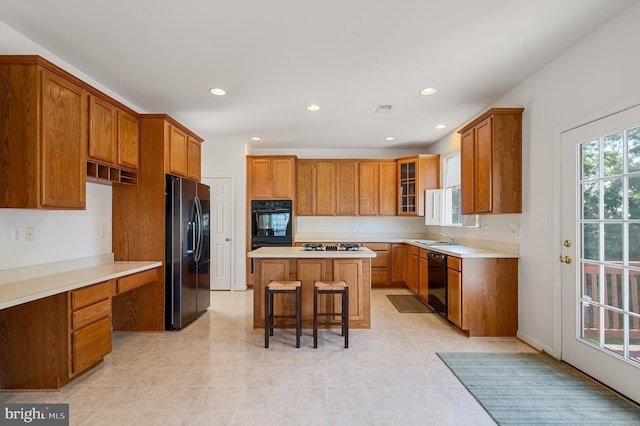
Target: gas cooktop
(331, 247)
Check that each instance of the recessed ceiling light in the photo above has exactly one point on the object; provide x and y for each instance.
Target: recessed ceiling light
(217, 91)
(389, 138)
(428, 91)
(313, 107)
(255, 139)
(441, 126)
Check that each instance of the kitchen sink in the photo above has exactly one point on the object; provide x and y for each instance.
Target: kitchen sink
(433, 243)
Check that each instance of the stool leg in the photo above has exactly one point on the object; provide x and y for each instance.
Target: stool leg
(272, 312)
(266, 318)
(315, 317)
(345, 316)
(298, 315)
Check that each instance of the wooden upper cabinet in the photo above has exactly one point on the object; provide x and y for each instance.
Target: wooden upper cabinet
(415, 175)
(305, 188)
(194, 159)
(388, 190)
(103, 130)
(128, 141)
(368, 188)
(63, 147)
(282, 177)
(491, 162)
(43, 136)
(325, 200)
(346, 188)
(270, 177)
(178, 151)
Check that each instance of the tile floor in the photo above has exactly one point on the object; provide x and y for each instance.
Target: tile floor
(217, 372)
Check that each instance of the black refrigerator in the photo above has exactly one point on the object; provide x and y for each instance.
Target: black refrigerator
(187, 251)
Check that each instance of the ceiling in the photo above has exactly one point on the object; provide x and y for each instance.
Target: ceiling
(275, 57)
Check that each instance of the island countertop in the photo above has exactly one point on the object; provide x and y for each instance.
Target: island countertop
(299, 253)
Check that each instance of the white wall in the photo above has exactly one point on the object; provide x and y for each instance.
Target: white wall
(59, 234)
(227, 159)
(597, 77)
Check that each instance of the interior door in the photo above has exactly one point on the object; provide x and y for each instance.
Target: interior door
(221, 227)
(601, 250)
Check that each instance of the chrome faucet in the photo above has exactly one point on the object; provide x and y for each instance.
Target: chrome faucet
(447, 235)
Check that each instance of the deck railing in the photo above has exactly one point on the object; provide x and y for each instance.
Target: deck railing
(613, 296)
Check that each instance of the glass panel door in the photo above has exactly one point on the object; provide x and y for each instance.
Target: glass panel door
(601, 250)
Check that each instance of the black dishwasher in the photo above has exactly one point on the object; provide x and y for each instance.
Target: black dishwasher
(437, 290)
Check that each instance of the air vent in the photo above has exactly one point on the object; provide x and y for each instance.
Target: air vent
(383, 109)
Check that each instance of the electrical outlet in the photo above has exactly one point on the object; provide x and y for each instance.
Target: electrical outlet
(484, 230)
(542, 223)
(17, 235)
(515, 228)
(29, 233)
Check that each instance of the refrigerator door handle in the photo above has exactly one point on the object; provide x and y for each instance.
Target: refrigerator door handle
(198, 230)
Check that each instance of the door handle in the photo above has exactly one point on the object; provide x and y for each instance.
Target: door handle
(227, 239)
(565, 259)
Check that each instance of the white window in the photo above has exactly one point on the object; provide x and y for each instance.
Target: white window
(452, 214)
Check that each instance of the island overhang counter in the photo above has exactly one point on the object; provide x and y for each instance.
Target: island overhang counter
(296, 264)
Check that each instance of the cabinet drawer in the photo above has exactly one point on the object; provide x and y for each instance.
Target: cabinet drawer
(379, 276)
(381, 260)
(91, 313)
(137, 280)
(90, 295)
(378, 246)
(454, 263)
(90, 344)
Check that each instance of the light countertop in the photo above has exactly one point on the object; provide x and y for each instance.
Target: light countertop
(298, 252)
(22, 285)
(460, 250)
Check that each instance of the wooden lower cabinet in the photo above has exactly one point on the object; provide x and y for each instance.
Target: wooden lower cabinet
(381, 264)
(483, 295)
(423, 276)
(399, 262)
(46, 343)
(413, 276)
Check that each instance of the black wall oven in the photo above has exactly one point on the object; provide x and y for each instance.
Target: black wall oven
(271, 223)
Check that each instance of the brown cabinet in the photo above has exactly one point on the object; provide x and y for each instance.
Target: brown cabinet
(388, 189)
(423, 275)
(381, 264)
(491, 163)
(369, 188)
(90, 330)
(346, 188)
(399, 262)
(113, 143)
(137, 236)
(103, 131)
(270, 177)
(413, 268)
(178, 151)
(454, 291)
(194, 159)
(483, 295)
(43, 135)
(128, 141)
(415, 175)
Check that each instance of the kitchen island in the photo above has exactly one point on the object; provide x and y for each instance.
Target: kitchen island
(294, 263)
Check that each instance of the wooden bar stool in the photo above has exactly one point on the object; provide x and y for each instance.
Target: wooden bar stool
(282, 287)
(331, 287)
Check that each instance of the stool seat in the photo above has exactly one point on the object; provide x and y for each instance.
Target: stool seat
(282, 287)
(330, 285)
(341, 288)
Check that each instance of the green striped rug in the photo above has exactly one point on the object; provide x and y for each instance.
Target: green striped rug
(537, 389)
